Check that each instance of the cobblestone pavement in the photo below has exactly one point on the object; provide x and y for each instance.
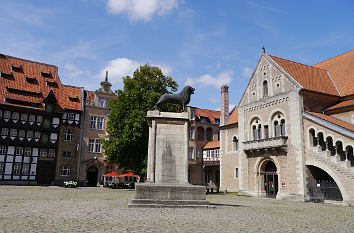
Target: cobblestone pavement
(57, 209)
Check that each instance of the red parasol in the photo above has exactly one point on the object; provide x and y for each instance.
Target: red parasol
(113, 174)
(130, 174)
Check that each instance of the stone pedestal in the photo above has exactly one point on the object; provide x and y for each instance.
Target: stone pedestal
(167, 172)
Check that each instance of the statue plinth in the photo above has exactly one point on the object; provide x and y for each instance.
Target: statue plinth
(167, 172)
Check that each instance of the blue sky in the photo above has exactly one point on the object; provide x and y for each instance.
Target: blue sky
(202, 42)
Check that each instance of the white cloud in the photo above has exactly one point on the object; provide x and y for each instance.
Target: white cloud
(73, 71)
(224, 77)
(213, 100)
(246, 72)
(121, 67)
(118, 68)
(141, 9)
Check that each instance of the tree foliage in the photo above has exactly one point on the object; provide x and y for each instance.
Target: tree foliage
(127, 126)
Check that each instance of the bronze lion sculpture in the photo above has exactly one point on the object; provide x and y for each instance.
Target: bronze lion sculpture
(183, 98)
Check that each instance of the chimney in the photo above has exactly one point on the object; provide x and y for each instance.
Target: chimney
(224, 109)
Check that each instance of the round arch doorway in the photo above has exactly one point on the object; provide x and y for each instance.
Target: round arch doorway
(270, 179)
(92, 175)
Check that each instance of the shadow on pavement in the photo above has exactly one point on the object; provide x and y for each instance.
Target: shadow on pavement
(232, 205)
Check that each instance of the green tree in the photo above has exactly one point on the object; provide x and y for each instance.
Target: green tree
(127, 126)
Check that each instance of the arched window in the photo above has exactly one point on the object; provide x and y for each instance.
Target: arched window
(278, 121)
(259, 132)
(235, 144)
(265, 88)
(255, 137)
(276, 129)
(282, 127)
(209, 134)
(312, 137)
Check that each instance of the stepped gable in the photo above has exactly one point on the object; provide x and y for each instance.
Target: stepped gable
(211, 114)
(341, 69)
(233, 118)
(310, 78)
(26, 83)
(333, 120)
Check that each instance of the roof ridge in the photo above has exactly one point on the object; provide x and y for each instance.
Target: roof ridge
(331, 116)
(333, 57)
(298, 63)
(41, 63)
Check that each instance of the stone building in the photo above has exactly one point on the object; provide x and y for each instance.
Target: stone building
(204, 127)
(292, 133)
(33, 106)
(93, 164)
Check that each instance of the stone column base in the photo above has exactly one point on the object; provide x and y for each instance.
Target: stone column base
(169, 195)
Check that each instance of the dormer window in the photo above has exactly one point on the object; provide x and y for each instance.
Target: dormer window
(52, 84)
(16, 68)
(217, 121)
(74, 99)
(46, 74)
(204, 119)
(265, 88)
(7, 76)
(30, 80)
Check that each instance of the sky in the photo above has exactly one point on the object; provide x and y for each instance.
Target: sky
(203, 43)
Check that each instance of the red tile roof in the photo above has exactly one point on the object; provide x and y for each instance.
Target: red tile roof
(212, 145)
(233, 118)
(341, 69)
(211, 114)
(345, 103)
(33, 69)
(333, 120)
(309, 77)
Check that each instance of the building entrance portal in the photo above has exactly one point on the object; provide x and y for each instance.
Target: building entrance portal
(271, 180)
(92, 175)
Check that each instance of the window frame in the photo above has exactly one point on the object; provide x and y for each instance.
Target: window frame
(68, 135)
(93, 122)
(16, 170)
(19, 151)
(98, 146)
(67, 154)
(65, 171)
(2, 149)
(100, 122)
(100, 102)
(51, 153)
(91, 145)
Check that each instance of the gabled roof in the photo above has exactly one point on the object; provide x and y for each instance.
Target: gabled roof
(18, 70)
(341, 69)
(333, 120)
(233, 118)
(212, 145)
(211, 114)
(309, 77)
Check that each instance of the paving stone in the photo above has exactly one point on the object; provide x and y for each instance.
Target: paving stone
(56, 209)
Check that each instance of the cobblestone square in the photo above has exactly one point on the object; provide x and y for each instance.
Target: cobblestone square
(57, 209)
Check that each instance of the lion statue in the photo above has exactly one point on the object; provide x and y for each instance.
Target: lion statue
(183, 98)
